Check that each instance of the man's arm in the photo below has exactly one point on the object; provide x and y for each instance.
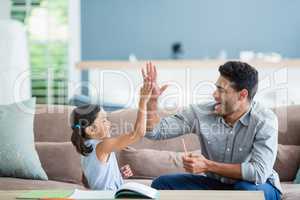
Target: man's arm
(153, 117)
(256, 170)
(198, 164)
(181, 123)
(259, 168)
(227, 170)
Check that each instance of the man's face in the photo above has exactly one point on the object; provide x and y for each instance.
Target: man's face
(226, 97)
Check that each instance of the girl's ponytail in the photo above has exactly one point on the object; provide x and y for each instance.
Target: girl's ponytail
(78, 142)
(81, 118)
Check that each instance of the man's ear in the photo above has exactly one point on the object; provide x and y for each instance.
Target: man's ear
(243, 94)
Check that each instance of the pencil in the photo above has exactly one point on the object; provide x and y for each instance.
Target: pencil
(184, 147)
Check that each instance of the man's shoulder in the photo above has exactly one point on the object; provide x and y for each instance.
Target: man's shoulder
(263, 116)
(262, 112)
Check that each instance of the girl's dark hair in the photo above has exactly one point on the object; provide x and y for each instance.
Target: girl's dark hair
(82, 117)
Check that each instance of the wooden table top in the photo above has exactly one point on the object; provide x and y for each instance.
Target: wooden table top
(177, 194)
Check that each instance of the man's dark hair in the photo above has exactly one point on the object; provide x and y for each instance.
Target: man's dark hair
(241, 75)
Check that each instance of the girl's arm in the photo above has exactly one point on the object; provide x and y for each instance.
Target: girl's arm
(108, 145)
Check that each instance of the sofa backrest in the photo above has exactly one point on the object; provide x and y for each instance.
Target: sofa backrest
(52, 133)
(123, 121)
(289, 124)
(288, 121)
(52, 124)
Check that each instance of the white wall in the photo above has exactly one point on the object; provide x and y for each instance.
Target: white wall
(5, 9)
(277, 85)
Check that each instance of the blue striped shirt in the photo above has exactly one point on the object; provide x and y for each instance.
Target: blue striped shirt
(252, 141)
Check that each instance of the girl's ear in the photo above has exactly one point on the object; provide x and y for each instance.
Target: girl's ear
(88, 131)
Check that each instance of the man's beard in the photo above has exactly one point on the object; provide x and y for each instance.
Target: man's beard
(224, 109)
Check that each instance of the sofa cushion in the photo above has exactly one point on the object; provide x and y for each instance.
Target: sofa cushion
(149, 163)
(52, 124)
(18, 156)
(288, 124)
(290, 191)
(7, 183)
(60, 161)
(287, 161)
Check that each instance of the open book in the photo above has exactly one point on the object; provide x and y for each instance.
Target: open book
(128, 190)
(137, 190)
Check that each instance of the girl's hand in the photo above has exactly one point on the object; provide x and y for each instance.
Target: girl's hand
(151, 75)
(126, 171)
(146, 90)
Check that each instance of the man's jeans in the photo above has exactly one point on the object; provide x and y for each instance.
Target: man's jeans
(199, 182)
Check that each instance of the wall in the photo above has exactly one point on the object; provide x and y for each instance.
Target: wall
(5, 9)
(112, 29)
(278, 85)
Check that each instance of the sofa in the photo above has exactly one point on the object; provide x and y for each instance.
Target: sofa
(148, 159)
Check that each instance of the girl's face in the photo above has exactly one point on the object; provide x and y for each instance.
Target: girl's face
(100, 128)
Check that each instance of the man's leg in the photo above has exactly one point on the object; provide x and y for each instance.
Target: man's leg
(187, 182)
(271, 193)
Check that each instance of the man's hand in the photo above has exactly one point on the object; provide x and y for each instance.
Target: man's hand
(151, 75)
(126, 171)
(146, 91)
(195, 164)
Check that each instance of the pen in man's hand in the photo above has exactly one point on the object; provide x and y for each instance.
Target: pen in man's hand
(184, 147)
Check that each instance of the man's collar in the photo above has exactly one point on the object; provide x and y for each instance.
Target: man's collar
(245, 119)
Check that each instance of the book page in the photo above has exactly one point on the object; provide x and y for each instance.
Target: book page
(140, 188)
(92, 194)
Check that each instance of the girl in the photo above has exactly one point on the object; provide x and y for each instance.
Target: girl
(92, 140)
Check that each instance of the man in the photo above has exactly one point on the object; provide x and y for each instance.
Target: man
(238, 137)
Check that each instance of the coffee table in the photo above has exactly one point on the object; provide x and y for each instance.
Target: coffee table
(177, 194)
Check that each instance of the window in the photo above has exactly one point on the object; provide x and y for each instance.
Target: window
(47, 27)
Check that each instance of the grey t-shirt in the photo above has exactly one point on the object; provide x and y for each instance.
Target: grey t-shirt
(252, 141)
